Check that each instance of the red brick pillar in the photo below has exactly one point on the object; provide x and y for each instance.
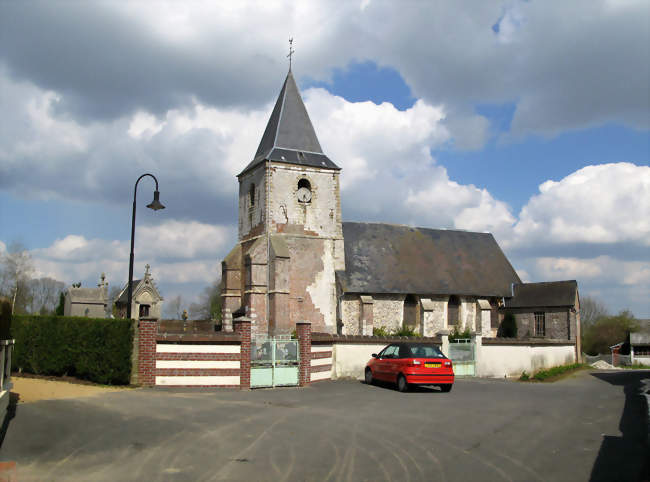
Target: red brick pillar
(147, 331)
(243, 328)
(303, 330)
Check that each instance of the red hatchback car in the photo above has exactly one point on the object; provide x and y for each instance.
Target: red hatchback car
(411, 364)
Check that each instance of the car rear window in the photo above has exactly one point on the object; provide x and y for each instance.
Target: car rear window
(425, 351)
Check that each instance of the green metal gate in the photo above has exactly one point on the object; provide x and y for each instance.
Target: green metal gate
(274, 361)
(462, 354)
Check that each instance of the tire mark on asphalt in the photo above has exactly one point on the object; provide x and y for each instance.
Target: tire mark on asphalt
(241, 454)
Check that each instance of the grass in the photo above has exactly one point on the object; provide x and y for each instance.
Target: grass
(553, 373)
(636, 366)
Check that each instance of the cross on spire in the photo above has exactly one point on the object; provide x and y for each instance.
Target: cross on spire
(291, 51)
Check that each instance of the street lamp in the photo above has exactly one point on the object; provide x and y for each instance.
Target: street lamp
(155, 205)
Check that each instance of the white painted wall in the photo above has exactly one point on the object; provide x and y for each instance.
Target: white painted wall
(349, 360)
(511, 360)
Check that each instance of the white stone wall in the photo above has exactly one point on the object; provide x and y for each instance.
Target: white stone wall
(256, 213)
(349, 359)
(323, 288)
(388, 311)
(322, 215)
(486, 322)
(511, 360)
(467, 314)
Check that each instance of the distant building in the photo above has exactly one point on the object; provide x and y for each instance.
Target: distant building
(640, 343)
(88, 302)
(147, 301)
(549, 309)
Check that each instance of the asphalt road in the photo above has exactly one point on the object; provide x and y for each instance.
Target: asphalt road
(588, 427)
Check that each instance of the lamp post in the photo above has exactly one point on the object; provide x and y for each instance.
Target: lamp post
(155, 205)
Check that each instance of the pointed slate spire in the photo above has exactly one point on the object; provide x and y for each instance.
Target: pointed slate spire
(289, 135)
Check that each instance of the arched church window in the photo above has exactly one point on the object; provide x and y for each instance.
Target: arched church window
(453, 309)
(251, 195)
(410, 312)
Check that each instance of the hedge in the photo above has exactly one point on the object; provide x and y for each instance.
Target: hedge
(95, 349)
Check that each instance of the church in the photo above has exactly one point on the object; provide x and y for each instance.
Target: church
(297, 261)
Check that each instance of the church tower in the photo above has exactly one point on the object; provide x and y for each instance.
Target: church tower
(290, 238)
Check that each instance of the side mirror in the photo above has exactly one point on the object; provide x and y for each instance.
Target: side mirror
(374, 355)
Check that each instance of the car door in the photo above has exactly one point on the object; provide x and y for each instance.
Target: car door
(386, 360)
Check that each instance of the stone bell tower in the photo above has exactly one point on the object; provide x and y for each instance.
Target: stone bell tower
(290, 237)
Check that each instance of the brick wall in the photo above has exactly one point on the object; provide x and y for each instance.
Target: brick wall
(243, 329)
(203, 360)
(303, 330)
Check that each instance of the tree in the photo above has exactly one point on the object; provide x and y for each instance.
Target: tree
(608, 331)
(44, 294)
(508, 328)
(60, 308)
(209, 305)
(591, 310)
(17, 268)
(174, 308)
(113, 293)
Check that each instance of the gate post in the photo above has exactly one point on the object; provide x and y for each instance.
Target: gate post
(243, 329)
(303, 330)
(147, 331)
(444, 335)
(477, 341)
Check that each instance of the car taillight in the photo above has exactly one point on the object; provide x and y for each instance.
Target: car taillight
(447, 363)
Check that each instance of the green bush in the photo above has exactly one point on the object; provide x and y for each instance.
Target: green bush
(380, 331)
(95, 349)
(459, 335)
(508, 328)
(406, 331)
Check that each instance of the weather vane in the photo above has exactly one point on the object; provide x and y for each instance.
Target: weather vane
(291, 51)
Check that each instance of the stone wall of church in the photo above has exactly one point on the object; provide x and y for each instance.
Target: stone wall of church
(467, 314)
(434, 315)
(350, 312)
(251, 215)
(311, 282)
(321, 216)
(388, 311)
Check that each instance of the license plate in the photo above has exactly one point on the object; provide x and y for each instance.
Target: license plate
(432, 365)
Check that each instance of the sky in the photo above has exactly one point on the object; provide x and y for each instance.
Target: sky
(529, 120)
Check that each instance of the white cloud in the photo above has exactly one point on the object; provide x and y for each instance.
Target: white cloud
(178, 252)
(607, 203)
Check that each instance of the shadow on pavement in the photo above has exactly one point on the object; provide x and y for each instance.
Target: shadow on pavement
(626, 457)
(11, 413)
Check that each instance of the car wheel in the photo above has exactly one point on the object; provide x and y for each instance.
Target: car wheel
(368, 376)
(402, 384)
(446, 388)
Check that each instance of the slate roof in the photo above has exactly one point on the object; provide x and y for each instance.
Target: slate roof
(386, 258)
(87, 295)
(550, 293)
(124, 295)
(289, 135)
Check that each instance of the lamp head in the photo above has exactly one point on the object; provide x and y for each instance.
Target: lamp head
(156, 204)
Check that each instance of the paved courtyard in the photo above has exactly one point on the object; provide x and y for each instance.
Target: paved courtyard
(585, 427)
